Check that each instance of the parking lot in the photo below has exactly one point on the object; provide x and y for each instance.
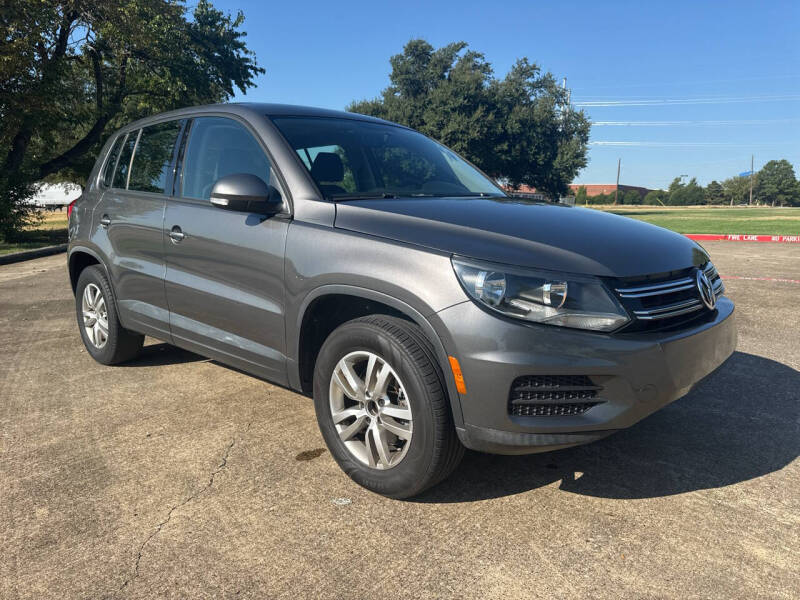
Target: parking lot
(176, 476)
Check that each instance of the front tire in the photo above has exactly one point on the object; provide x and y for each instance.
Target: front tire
(382, 407)
(105, 339)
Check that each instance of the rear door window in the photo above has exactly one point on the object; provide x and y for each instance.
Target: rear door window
(152, 161)
(218, 147)
(121, 175)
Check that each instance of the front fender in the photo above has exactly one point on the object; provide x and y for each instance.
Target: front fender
(417, 282)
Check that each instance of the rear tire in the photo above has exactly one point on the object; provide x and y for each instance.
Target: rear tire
(105, 339)
(398, 439)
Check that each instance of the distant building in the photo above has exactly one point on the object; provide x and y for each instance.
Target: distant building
(592, 189)
(595, 189)
(55, 196)
(525, 191)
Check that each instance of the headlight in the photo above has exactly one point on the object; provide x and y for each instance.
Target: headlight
(541, 296)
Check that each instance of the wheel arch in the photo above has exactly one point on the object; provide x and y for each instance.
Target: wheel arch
(78, 259)
(343, 303)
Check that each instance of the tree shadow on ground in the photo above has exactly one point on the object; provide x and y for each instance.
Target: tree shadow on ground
(741, 422)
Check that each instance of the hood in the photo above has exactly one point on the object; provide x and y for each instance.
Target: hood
(525, 233)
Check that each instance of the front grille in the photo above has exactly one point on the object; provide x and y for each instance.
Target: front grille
(658, 303)
(552, 395)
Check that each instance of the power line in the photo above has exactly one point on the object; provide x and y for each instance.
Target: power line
(710, 123)
(684, 101)
(694, 82)
(682, 144)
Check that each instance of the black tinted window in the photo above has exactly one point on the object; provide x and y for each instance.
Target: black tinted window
(220, 147)
(108, 170)
(362, 158)
(121, 176)
(153, 157)
(347, 181)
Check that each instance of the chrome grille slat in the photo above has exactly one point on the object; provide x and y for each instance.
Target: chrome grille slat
(658, 302)
(669, 308)
(667, 315)
(646, 294)
(656, 288)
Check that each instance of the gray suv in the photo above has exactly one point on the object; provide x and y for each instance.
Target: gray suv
(365, 264)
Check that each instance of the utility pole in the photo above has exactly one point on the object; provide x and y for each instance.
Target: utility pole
(616, 191)
(565, 107)
(751, 180)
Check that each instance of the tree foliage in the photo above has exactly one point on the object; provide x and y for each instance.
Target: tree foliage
(777, 184)
(71, 71)
(685, 194)
(714, 193)
(581, 197)
(519, 128)
(737, 190)
(656, 197)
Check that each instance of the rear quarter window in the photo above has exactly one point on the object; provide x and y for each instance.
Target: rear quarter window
(123, 165)
(111, 162)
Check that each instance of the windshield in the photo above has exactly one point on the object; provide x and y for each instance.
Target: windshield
(348, 158)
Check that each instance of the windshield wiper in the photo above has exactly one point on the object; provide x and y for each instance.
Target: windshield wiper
(479, 195)
(362, 197)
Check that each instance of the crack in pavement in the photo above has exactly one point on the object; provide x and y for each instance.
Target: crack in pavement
(223, 463)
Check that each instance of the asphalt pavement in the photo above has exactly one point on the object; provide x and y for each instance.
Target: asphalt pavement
(174, 476)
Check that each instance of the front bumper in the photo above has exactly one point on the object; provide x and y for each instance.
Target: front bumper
(639, 374)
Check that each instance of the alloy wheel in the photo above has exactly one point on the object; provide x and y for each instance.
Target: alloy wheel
(95, 315)
(370, 409)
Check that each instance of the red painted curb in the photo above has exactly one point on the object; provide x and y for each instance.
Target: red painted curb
(713, 237)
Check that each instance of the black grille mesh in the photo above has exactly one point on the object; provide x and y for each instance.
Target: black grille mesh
(551, 395)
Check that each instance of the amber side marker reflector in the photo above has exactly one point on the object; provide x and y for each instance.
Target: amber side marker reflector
(462, 389)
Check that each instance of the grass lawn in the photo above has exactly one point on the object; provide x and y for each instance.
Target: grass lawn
(742, 220)
(702, 219)
(50, 231)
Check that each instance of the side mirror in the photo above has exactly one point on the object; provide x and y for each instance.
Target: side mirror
(245, 192)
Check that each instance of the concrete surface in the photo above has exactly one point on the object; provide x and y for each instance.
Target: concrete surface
(177, 477)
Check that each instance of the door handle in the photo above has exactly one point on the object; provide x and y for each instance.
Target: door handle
(176, 235)
(105, 221)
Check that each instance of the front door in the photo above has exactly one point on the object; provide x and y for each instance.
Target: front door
(224, 269)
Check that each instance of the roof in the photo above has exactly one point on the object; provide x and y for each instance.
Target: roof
(295, 110)
(251, 109)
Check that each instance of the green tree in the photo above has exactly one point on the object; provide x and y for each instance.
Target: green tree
(777, 184)
(714, 194)
(685, 194)
(630, 197)
(737, 190)
(656, 197)
(73, 71)
(581, 196)
(520, 128)
(602, 199)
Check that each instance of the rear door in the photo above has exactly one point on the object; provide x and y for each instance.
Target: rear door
(130, 214)
(224, 269)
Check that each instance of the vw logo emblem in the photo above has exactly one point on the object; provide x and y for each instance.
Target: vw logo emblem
(706, 290)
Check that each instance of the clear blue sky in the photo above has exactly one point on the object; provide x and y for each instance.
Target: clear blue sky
(737, 63)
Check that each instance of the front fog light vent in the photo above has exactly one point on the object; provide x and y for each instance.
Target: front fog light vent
(552, 395)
